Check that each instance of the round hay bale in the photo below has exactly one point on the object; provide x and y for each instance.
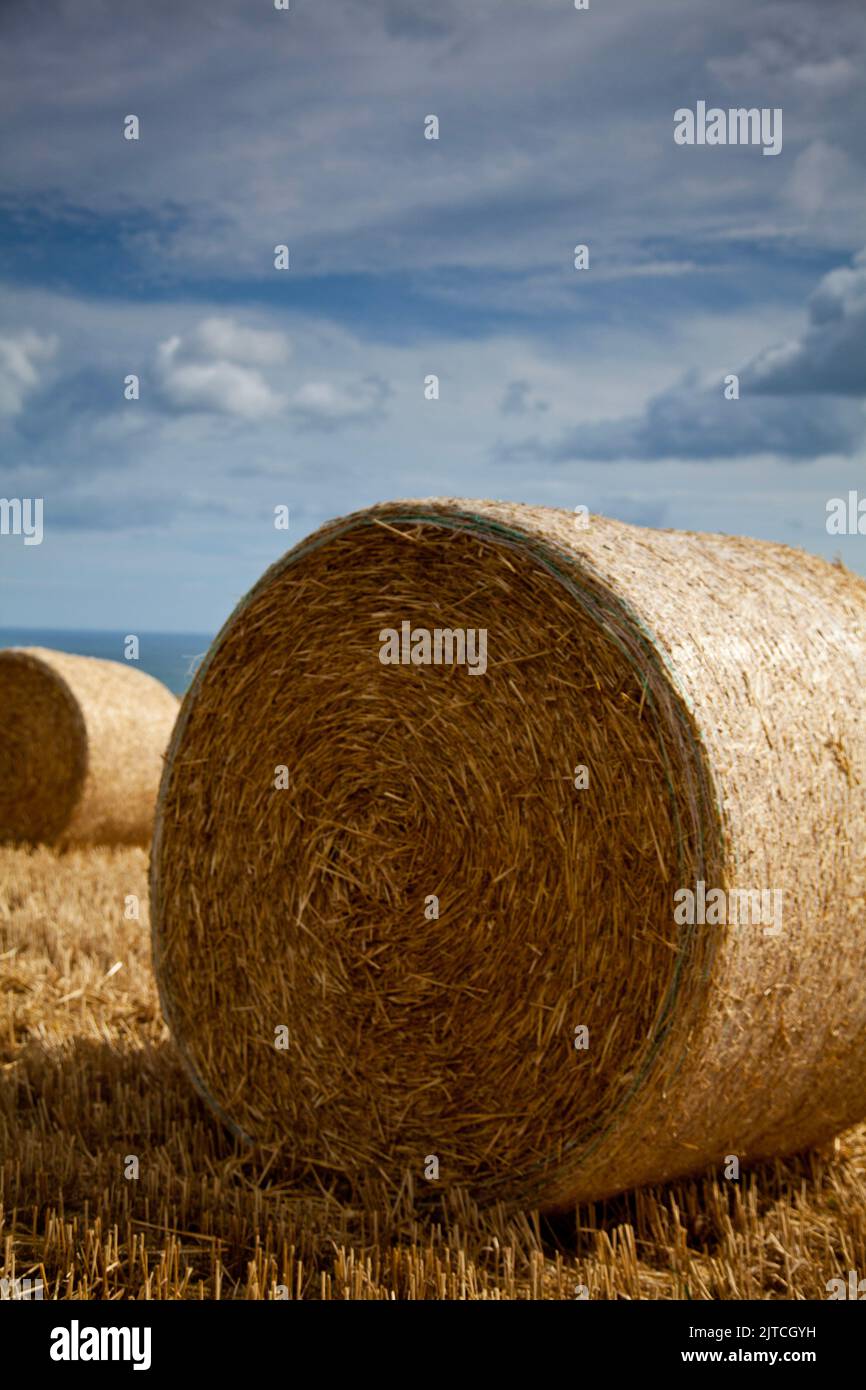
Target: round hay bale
(425, 910)
(81, 748)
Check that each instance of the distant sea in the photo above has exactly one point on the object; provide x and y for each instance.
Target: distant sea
(173, 657)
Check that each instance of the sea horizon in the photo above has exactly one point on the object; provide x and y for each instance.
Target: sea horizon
(171, 657)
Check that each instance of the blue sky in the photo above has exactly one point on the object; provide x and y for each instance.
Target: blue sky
(409, 257)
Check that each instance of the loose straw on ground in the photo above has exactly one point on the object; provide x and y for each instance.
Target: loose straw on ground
(712, 688)
(81, 748)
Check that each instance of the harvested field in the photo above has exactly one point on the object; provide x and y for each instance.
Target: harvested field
(89, 1077)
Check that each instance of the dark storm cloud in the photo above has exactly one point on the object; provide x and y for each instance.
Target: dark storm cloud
(796, 399)
(698, 425)
(830, 356)
(307, 126)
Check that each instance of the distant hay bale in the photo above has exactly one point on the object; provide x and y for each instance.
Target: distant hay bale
(560, 1030)
(81, 748)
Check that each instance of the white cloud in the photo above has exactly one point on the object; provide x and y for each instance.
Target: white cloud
(217, 368)
(20, 357)
(325, 405)
(232, 342)
(219, 386)
(223, 367)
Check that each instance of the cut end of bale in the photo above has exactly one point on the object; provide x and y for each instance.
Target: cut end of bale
(43, 750)
(81, 748)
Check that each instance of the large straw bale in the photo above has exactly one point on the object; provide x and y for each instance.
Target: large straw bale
(81, 748)
(713, 688)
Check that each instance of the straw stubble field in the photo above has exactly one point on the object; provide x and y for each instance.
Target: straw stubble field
(89, 1078)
